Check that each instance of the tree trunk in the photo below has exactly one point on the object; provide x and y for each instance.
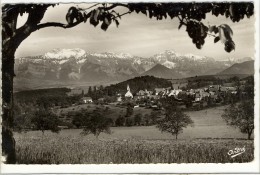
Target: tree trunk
(8, 142)
(176, 136)
(249, 135)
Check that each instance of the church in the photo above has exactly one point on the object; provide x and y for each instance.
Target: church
(128, 93)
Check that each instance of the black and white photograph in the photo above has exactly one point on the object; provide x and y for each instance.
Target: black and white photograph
(130, 83)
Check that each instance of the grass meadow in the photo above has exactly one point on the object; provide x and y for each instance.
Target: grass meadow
(207, 142)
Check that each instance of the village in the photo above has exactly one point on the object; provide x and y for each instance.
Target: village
(202, 97)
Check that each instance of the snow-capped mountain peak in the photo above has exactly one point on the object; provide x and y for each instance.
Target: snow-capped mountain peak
(65, 53)
(113, 55)
(194, 57)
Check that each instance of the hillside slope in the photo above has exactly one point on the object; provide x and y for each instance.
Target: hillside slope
(246, 67)
(161, 71)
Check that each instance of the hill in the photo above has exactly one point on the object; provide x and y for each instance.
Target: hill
(138, 83)
(162, 71)
(246, 67)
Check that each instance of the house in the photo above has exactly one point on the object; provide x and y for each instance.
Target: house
(159, 91)
(87, 100)
(119, 98)
(148, 93)
(198, 97)
(214, 88)
(228, 89)
(205, 94)
(211, 93)
(174, 92)
(228, 84)
(140, 93)
(192, 91)
(101, 99)
(154, 97)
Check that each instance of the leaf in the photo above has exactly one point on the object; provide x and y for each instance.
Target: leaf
(231, 10)
(95, 15)
(104, 26)
(71, 14)
(212, 29)
(150, 13)
(144, 12)
(117, 23)
(86, 16)
(180, 25)
(203, 31)
(107, 21)
(216, 39)
(225, 33)
(229, 46)
(69, 19)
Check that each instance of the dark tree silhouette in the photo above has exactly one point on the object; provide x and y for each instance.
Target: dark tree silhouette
(95, 123)
(241, 116)
(138, 119)
(45, 120)
(174, 122)
(189, 15)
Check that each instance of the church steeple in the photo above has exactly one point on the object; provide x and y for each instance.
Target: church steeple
(128, 93)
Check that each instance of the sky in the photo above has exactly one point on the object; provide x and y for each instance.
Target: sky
(137, 35)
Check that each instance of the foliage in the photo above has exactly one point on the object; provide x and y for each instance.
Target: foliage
(46, 98)
(22, 122)
(129, 122)
(241, 115)
(22, 117)
(45, 120)
(154, 116)
(78, 119)
(129, 110)
(249, 87)
(189, 15)
(120, 121)
(174, 121)
(95, 123)
(138, 119)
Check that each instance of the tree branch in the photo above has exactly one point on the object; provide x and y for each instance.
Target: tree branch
(115, 5)
(56, 24)
(119, 16)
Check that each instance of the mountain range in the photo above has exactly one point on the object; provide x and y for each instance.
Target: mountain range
(61, 67)
(246, 67)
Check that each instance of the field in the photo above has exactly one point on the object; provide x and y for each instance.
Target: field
(115, 111)
(208, 141)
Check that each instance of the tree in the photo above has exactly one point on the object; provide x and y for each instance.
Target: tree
(138, 119)
(46, 120)
(78, 119)
(189, 15)
(154, 116)
(241, 116)
(129, 110)
(129, 122)
(96, 123)
(90, 91)
(174, 122)
(120, 121)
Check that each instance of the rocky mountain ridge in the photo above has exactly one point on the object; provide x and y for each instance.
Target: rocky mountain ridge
(77, 65)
